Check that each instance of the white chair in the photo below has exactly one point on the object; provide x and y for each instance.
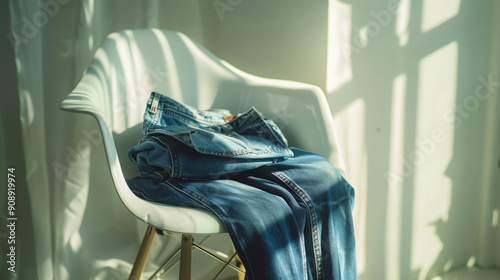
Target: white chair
(132, 63)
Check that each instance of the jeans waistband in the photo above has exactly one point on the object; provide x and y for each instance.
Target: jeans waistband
(215, 132)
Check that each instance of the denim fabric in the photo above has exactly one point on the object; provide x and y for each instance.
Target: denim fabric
(288, 220)
(184, 142)
(287, 211)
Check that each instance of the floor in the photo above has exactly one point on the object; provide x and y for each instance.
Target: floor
(470, 274)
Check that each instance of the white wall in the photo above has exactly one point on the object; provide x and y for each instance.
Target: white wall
(276, 39)
(489, 250)
(402, 84)
(401, 79)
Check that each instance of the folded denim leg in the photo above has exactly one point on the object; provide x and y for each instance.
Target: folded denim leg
(159, 156)
(289, 220)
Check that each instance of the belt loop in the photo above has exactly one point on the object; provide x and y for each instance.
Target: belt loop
(154, 104)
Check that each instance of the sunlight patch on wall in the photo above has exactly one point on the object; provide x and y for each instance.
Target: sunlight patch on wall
(393, 226)
(432, 154)
(339, 71)
(88, 13)
(395, 174)
(471, 262)
(402, 21)
(75, 242)
(494, 218)
(27, 107)
(436, 95)
(436, 12)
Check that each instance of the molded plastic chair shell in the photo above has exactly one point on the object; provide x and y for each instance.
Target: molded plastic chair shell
(132, 63)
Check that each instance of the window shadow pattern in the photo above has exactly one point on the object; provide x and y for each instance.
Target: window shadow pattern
(438, 182)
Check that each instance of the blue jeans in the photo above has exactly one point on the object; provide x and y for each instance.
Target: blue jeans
(288, 219)
(183, 142)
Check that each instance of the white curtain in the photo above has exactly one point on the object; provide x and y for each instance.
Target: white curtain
(80, 230)
(421, 146)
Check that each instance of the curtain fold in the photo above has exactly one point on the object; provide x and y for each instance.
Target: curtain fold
(80, 226)
(29, 59)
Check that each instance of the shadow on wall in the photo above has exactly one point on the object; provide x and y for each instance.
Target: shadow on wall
(420, 72)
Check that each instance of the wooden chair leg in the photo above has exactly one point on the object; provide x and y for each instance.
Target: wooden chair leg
(186, 257)
(142, 256)
(239, 263)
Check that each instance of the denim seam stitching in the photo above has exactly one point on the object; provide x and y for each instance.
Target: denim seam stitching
(312, 214)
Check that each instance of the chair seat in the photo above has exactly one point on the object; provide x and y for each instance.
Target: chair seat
(182, 219)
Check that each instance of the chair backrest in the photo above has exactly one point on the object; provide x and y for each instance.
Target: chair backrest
(132, 63)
